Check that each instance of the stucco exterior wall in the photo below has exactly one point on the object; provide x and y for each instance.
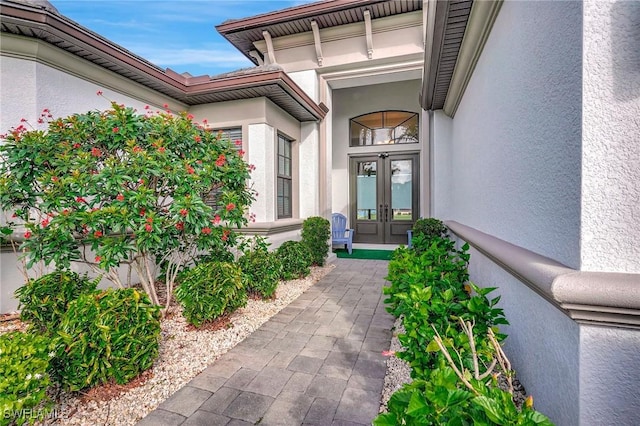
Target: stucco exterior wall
(610, 372)
(611, 131)
(543, 343)
(515, 139)
(352, 102)
(441, 172)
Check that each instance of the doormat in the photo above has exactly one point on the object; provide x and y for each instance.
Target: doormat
(364, 254)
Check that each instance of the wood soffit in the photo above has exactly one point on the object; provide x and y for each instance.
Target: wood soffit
(47, 25)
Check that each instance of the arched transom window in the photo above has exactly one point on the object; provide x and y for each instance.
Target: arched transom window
(384, 127)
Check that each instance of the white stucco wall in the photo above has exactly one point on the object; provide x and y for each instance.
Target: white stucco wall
(262, 146)
(543, 343)
(611, 135)
(352, 102)
(308, 81)
(515, 139)
(309, 169)
(441, 172)
(28, 87)
(610, 372)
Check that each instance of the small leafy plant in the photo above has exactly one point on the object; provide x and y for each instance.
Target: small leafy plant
(315, 235)
(44, 301)
(425, 230)
(210, 290)
(261, 270)
(106, 335)
(24, 377)
(295, 259)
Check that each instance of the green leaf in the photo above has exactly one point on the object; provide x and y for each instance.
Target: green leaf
(386, 419)
(417, 404)
(491, 408)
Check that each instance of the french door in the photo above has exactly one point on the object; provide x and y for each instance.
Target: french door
(384, 194)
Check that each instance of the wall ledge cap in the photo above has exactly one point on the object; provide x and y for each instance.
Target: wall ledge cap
(600, 298)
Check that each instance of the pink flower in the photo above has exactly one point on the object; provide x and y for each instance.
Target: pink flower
(205, 121)
(96, 152)
(161, 150)
(238, 142)
(215, 220)
(225, 235)
(45, 223)
(190, 170)
(76, 145)
(230, 207)
(40, 121)
(150, 219)
(184, 212)
(143, 212)
(137, 149)
(116, 129)
(81, 200)
(27, 234)
(206, 230)
(241, 153)
(65, 211)
(54, 178)
(97, 234)
(146, 107)
(221, 160)
(190, 117)
(99, 93)
(252, 167)
(165, 106)
(180, 226)
(98, 259)
(197, 138)
(148, 227)
(120, 197)
(23, 120)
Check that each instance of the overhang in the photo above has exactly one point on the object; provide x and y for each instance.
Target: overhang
(242, 33)
(29, 19)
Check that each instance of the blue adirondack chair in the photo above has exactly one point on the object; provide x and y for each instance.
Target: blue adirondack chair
(339, 232)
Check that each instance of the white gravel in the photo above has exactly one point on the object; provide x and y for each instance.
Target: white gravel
(398, 371)
(183, 354)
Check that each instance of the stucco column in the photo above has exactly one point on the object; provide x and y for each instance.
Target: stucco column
(262, 153)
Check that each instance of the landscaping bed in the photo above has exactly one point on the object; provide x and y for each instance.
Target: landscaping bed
(184, 352)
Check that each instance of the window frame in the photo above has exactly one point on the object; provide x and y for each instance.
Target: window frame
(283, 177)
(391, 130)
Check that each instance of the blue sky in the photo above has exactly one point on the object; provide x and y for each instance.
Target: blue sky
(172, 34)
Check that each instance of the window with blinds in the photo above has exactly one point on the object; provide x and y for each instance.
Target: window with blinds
(233, 134)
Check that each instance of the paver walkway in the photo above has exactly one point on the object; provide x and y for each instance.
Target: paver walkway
(316, 362)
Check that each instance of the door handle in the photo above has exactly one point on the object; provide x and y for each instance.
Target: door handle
(380, 213)
(386, 212)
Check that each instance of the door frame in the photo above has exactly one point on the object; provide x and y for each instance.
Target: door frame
(387, 231)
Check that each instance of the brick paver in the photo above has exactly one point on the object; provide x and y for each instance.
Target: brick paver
(316, 362)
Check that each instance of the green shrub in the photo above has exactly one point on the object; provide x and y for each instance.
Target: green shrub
(261, 270)
(45, 300)
(210, 290)
(442, 399)
(107, 335)
(425, 230)
(24, 361)
(315, 235)
(295, 259)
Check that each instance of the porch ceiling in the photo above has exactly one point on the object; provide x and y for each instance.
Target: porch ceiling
(45, 23)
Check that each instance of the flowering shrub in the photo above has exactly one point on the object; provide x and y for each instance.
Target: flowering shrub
(24, 360)
(129, 186)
